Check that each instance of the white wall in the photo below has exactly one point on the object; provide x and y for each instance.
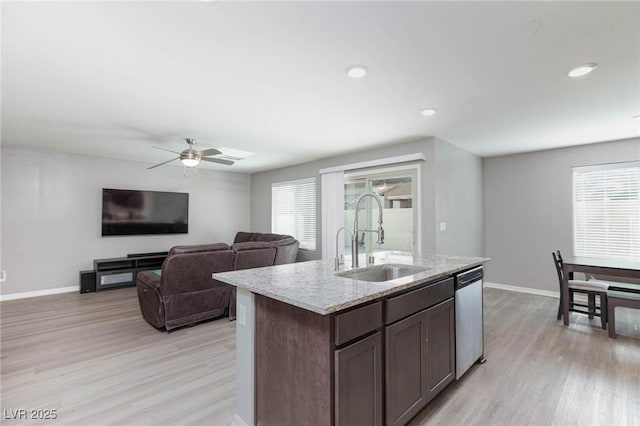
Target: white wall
(529, 209)
(51, 213)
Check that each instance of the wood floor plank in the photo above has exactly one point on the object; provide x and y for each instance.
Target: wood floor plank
(94, 359)
(539, 372)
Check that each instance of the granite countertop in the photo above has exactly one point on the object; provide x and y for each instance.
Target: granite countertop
(314, 285)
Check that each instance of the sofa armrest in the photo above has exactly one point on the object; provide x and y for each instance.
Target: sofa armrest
(149, 279)
(286, 250)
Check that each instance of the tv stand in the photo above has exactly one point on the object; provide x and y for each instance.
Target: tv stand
(123, 271)
(156, 253)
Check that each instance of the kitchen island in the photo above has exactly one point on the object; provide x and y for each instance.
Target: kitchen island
(367, 346)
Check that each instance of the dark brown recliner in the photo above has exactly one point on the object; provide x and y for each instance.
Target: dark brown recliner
(185, 293)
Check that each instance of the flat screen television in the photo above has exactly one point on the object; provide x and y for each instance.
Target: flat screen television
(130, 212)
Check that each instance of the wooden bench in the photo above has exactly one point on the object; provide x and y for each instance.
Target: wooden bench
(624, 295)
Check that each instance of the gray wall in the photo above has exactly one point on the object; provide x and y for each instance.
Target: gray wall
(529, 209)
(51, 210)
(465, 188)
(459, 201)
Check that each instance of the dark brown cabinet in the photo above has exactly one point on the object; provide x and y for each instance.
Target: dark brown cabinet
(406, 368)
(358, 383)
(376, 364)
(441, 357)
(419, 348)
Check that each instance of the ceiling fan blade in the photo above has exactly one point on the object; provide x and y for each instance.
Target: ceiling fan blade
(165, 149)
(210, 151)
(218, 160)
(163, 163)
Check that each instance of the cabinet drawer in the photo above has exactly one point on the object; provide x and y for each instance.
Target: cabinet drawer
(358, 322)
(406, 304)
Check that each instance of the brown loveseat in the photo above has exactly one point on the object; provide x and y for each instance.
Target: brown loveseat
(286, 246)
(184, 293)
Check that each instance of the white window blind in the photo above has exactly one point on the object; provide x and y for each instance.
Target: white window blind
(606, 211)
(293, 210)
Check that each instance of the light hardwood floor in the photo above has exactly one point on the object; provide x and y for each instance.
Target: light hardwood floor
(97, 362)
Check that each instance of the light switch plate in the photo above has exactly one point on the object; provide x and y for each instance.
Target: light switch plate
(443, 226)
(242, 315)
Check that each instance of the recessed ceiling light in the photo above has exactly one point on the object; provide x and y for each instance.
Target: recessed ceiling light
(428, 111)
(583, 69)
(357, 71)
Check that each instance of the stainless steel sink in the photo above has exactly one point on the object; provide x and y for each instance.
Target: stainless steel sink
(381, 273)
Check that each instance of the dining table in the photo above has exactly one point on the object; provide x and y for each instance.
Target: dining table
(594, 266)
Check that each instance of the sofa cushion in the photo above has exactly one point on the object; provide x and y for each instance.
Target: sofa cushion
(198, 248)
(250, 245)
(243, 237)
(283, 242)
(254, 258)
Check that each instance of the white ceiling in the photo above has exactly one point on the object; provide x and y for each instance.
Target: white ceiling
(113, 79)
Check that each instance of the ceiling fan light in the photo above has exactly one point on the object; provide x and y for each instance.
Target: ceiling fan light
(190, 162)
(582, 70)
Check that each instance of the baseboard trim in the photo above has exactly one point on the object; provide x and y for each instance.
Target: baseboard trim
(37, 293)
(527, 290)
(237, 421)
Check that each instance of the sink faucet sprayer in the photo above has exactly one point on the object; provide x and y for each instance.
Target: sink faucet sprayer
(339, 258)
(355, 241)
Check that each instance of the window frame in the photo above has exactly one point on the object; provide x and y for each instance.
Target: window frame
(305, 242)
(594, 168)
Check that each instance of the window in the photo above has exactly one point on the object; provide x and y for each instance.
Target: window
(293, 210)
(606, 211)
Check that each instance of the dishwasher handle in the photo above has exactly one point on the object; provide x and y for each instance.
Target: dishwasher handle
(469, 277)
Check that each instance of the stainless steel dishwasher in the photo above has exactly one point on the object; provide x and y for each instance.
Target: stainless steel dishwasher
(469, 320)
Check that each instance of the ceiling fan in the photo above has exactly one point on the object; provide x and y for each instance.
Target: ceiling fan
(191, 157)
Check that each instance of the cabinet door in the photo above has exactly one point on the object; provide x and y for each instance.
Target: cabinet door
(406, 368)
(441, 362)
(358, 382)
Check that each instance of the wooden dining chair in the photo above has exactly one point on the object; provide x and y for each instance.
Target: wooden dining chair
(592, 289)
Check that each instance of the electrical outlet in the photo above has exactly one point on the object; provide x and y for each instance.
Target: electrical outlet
(443, 226)
(3, 276)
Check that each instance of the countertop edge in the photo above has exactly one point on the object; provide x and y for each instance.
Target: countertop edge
(355, 302)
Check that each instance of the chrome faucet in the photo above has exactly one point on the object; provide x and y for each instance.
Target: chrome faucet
(355, 241)
(340, 258)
